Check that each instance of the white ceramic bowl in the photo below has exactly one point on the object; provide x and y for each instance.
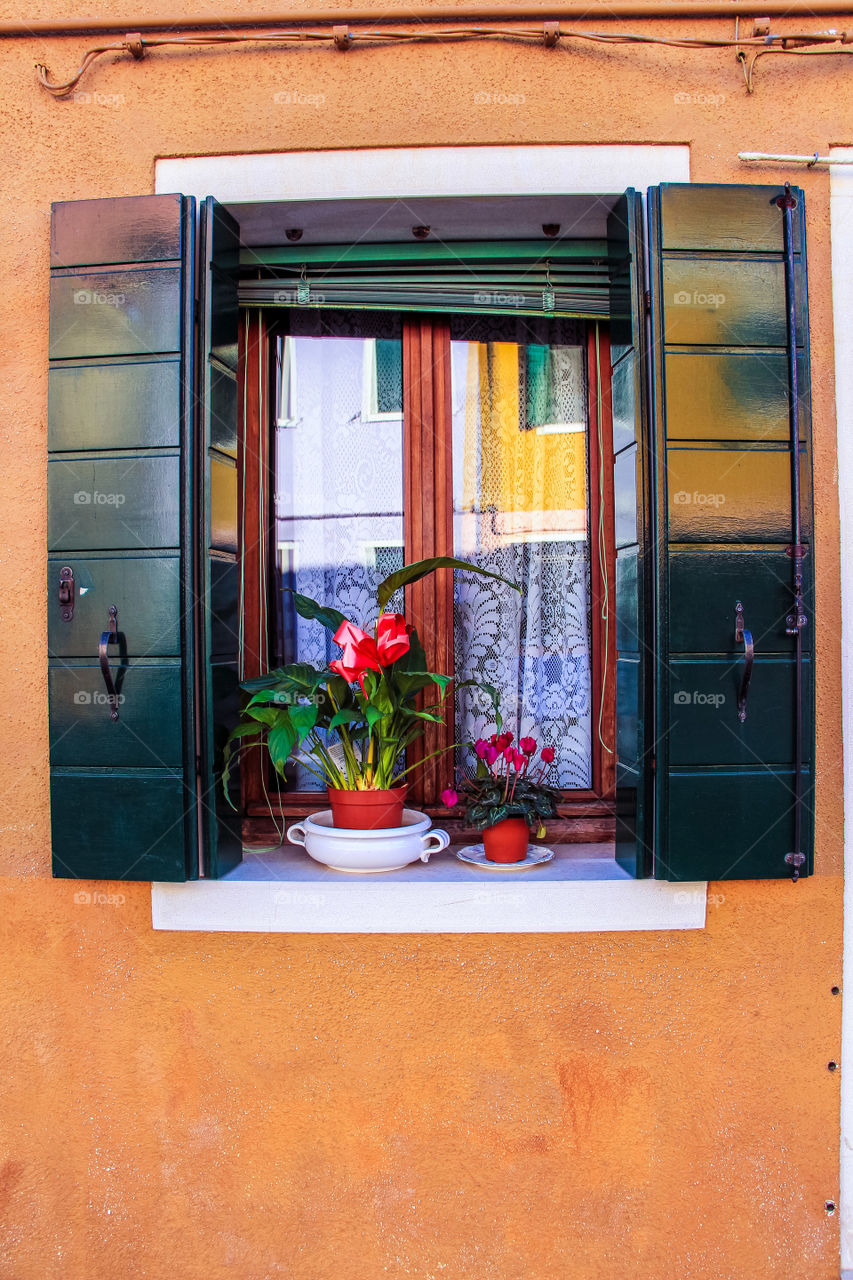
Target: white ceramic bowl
(385, 849)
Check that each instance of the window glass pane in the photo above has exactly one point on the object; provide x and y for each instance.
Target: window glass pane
(389, 376)
(338, 483)
(520, 499)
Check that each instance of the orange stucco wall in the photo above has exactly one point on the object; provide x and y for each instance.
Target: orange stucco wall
(494, 1107)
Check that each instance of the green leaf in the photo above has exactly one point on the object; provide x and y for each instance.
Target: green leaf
(264, 715)
(347, 715)
(421, 568)
(231, 753)
(280, 741)
(414, 659)
(303, 718)
(313, 611)
(372, 715)
(340, 691)
(241, 731)
(295, 678)
(428, 677)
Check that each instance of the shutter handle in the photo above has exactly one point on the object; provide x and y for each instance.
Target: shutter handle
(745, 636)
(108, 638)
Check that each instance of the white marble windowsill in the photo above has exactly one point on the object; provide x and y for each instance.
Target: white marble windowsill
(583, 890)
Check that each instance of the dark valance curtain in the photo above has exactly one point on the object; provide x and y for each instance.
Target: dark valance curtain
(570, 278)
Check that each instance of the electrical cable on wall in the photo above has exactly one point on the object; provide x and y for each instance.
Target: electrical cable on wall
(748, 49)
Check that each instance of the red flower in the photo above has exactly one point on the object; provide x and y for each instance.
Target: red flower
(449, 797)
(491, 754)
(528, 745)
(362, 653)
(547, 755)
(519, 759)
(359, 653)
(392, 638)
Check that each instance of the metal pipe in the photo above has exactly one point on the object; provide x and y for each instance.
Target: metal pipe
(524, 10)
(812, 162)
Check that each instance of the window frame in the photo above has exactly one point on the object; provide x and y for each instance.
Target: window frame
(586, 815)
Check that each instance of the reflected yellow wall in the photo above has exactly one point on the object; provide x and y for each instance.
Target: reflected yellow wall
(521, 470)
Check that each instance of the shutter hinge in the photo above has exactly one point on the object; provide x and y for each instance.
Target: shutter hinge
(198, 766)
(653, 765)
(647, 301)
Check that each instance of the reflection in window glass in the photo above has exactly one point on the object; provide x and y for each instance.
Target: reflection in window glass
(338, 483)
(520, 509)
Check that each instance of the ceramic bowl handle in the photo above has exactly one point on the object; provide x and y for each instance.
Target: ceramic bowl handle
(294, 832)
(442, 838)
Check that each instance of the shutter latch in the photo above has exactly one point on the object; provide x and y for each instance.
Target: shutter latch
(743, 636)
(66, 593)
(107, 638)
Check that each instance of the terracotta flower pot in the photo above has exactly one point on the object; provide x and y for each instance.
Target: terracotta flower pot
(506, 841)
(367, 810)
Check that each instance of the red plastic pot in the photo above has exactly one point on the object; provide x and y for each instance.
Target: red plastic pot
(506, 841)
(367, 810)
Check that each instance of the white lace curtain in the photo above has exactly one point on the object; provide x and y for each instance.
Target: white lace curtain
(520, 509)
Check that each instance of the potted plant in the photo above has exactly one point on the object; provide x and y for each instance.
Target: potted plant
(349, 723)
(507, 794)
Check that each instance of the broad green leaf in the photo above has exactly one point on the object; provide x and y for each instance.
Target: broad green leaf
(313, 611)
(295, 677)
(347, 715)
(421, 568)
(414, 659)
(408, 683)
(272, 698)
(264, 715)
(241, 731)
(372, 715)
(281, 740)
(303, 718)
(340, 691)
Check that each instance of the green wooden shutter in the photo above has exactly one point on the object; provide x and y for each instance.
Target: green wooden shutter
(218, 568)
(722, 404)
(124, 507)
(634, 570)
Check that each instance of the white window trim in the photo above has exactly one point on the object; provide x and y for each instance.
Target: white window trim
(370, 387)
(574, 905)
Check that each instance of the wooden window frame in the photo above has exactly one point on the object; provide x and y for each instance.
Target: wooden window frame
(585, 815)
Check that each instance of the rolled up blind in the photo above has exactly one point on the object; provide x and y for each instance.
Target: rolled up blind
(569, 278)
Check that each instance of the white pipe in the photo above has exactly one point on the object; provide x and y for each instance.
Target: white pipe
(812, 161)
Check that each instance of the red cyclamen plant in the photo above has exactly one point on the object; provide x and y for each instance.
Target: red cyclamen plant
(506, 784)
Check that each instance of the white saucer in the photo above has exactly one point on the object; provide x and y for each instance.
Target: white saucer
(475, 855)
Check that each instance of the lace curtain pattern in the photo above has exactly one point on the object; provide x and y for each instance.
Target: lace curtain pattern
(520, 509)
